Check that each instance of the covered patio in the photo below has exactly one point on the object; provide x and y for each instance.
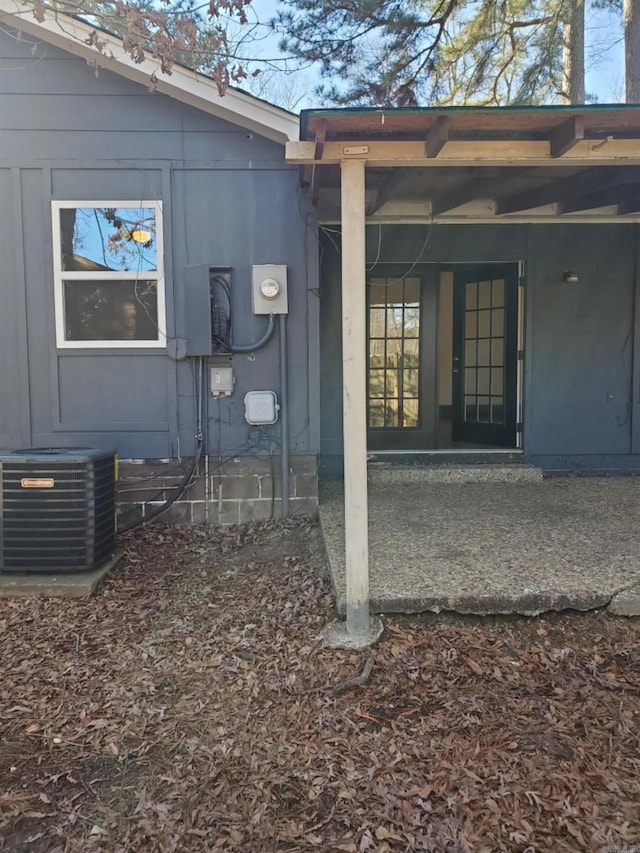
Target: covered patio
(516, 546)
(561, 360)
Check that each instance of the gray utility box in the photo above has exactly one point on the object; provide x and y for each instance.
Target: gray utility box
(199, 311)
(269, 289)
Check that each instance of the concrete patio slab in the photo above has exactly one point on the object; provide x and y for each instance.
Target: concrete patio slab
(68, 585)
(490, 548)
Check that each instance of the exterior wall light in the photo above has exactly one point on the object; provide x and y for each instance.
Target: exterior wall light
(570, 277)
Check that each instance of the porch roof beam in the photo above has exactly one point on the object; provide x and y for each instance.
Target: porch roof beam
(615, 195)
(437, 136)
(551, 192)
(567, 135)
(390, 188)
(585, 152)
(472, 190)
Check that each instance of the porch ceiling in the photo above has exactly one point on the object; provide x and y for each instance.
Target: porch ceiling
(506, 163)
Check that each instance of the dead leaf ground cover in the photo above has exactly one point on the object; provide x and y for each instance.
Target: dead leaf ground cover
(188, 707)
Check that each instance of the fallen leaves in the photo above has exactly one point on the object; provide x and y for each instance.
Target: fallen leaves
(187, 707)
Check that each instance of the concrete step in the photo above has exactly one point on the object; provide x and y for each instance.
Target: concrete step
(387, 472)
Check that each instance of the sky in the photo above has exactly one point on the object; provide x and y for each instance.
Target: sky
(604, 59)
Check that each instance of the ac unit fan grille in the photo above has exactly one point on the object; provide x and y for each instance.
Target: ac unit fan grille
(68, 527)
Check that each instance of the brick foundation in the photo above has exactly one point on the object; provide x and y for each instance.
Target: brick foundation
(239, 490)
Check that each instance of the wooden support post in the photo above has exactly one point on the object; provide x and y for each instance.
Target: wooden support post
(354, 353)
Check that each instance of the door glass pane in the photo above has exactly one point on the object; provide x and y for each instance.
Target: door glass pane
(497, 352)
(376, 353)
(394, 322)
(497, 410)
(410, 413)
(394, 352)
(410, 380)
(376, 383)
(470, 325)
(497, 380)
(484, 294)
(497, 293)
(376, 322)
(376, 413)
(410, 353)
(470, 381)
(483, 380)
(484, 351)
(470, 409)
(391, 417)
(484, 324)
(394, 344)
(497, 322)
(470, 353)
(412, 292)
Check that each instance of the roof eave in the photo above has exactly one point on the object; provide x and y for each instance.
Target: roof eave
(182, 84)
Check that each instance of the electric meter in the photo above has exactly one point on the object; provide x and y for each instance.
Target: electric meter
(270, 288)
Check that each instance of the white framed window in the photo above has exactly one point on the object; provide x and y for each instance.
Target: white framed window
(108, 276)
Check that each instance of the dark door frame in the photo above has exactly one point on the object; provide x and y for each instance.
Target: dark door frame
(423, 436)
(504, 434)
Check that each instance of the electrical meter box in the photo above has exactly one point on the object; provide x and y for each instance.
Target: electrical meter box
(269, 289)
(261, 407)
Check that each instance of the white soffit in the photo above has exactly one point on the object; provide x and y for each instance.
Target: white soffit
(183, 84)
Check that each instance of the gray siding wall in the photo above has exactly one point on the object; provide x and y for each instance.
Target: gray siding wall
(579, 341)
(228, 200)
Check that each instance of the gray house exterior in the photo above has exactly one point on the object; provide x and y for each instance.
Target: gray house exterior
(223, 192)
(228, 201)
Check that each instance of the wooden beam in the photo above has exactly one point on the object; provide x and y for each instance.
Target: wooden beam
(471, 190)
(381, 153)
(321, 135)
(615, 195)
(583, 183)
(391, 188)
(630, 204)
(567, 135)
(354, 399)
(437, 136)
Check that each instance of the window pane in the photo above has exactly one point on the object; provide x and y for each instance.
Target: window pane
(411, 353)
(410, 383)
(470, 353)
(497, 374)
(483, 380)
(376, 383)
(393, 383)
(484, 410)
(483, 352)
(110, 311)
(392, 416)
(394, 322)
(376, 353)
(412, 322)
(394, 352)
(484, 294)
(484, 324)
(497, 352)
(470, 327)
(376, 322)
(497, 294)
(497, 322)
(394, 290)
(472, 295)
(376, 413)
(412, 291)
(95, 239)
(377, 292)
(410, 413)
(497, 410)
(470, 381)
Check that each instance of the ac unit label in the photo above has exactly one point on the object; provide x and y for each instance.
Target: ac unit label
(37, 482)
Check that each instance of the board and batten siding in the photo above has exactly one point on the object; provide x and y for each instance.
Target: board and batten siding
(68, 132)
